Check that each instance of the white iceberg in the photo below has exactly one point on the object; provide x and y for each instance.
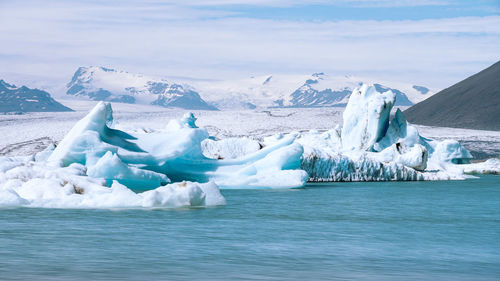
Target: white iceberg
(99, 166)
(338, 167)
(143, 160)
(490, 166)
(36, 184)
(369, 147)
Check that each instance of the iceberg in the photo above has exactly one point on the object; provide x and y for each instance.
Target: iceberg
(341, 168)
(371, 147)
(99, 165)
(490, 166)
(143, 160)
(29, 183)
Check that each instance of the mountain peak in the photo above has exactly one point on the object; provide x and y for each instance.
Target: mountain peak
(7, 85)
(24, 99)
(107, 84)
(292, 90)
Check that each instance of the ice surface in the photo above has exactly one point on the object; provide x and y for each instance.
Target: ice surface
(100, 161)
(366, 117)
(369, 147)
(327, 167)
(142, 160)
(24, 182)
(490, 166)
(110, 167)
(229, 148)
(450, 151)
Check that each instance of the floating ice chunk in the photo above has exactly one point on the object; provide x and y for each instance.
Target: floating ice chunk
(181, 194)
(343, 168)
(10, 198)
(375, 149)
(213, 197)
(110, 167)
(184, 194)
(490, 166)
(36, 184)
(241, 172)
(229, 148)
(450, 151)
(143, 160)
(366, 117)
(278, 169)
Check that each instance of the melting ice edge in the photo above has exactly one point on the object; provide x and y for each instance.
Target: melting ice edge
(97, 165)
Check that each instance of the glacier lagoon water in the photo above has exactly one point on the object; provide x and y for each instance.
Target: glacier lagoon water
(447, 230)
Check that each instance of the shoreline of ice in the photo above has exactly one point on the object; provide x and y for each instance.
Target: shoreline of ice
(371, 147)
(99, 164)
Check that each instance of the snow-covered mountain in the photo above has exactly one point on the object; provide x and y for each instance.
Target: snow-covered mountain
(105, 84)
(24, 99)
(316, 90)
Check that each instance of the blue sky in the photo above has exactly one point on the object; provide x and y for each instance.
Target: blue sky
(364, 10)
(430, 42)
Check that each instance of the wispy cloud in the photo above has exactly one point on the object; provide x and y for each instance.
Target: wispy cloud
(395, 3)
(288, 3)
(51, 39)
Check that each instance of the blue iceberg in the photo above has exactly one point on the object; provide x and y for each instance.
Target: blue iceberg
(148, 160)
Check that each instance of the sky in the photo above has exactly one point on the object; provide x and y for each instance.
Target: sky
(434, 43)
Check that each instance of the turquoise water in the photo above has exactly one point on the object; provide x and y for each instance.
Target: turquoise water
(363, 231)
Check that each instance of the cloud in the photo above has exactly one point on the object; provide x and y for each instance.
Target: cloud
(49, 42)
(400, 3)
(289, 3)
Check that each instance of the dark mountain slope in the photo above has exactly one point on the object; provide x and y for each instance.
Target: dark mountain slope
(24, 99)
(472, 103)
